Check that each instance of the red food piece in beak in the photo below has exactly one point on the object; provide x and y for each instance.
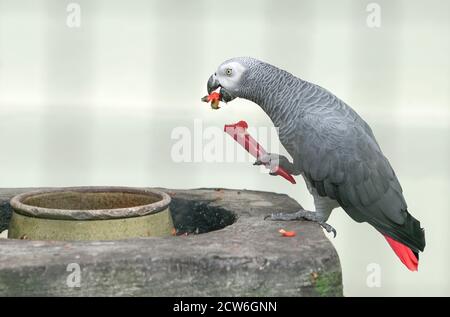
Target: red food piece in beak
(214, 98)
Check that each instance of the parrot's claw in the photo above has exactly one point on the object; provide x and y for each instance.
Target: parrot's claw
(328, 228)
(267, 159)
(275, 161)
(271, 161)
(258, 162)
(302, 215)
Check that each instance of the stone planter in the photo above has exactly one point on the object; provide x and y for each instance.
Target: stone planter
(223, 247)
(90, 213)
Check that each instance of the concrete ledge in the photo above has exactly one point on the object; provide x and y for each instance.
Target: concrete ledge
(246, 258)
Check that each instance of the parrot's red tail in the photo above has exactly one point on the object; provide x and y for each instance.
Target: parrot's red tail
(404, 253)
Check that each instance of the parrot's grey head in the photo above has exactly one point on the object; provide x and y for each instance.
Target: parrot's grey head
(230, 77)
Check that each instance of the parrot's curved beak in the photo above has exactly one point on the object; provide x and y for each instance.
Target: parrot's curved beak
(213, 84)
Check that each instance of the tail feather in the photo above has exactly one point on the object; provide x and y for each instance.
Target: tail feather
(409, 258)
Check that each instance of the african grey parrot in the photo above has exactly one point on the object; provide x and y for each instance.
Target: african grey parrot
(332, 147)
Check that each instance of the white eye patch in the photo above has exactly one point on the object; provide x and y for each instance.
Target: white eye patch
(229, 75)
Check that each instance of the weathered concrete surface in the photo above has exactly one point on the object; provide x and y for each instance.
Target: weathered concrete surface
(247, 258)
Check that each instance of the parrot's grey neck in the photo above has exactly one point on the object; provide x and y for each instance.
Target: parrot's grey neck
(276, 91)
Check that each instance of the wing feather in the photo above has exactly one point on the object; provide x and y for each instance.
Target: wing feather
(340, 157)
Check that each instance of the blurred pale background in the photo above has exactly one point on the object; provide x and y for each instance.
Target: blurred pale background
(96, 105)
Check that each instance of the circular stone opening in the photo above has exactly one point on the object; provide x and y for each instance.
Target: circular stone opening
(90, 213)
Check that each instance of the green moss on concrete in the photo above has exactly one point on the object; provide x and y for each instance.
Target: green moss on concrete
(329, 284)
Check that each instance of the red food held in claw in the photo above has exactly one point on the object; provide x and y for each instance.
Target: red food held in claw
(238, 132)
(288, 234)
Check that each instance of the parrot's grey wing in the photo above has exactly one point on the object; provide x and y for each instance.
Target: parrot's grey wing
(342, 160)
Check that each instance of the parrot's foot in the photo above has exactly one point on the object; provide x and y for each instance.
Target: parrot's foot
(302, 215)
(273, 161)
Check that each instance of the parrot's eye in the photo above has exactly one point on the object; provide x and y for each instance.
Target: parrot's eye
(228, 71)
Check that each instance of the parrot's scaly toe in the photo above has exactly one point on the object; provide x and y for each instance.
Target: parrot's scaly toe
(301, 215)
(281, 216)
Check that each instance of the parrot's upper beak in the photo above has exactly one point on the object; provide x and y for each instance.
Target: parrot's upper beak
(213, 84)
